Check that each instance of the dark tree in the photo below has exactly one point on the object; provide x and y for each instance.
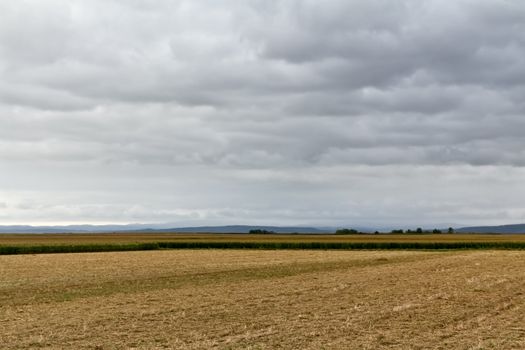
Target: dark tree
(346, 231)
(261, 232)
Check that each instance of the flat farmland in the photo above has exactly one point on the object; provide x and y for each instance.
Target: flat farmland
(105, 242)
(124, 238)
(264, 299)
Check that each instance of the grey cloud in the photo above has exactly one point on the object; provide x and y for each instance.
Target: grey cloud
(216, 111)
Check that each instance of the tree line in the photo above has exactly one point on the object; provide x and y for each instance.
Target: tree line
(419, 230)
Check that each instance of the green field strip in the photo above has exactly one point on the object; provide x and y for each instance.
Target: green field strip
(84, 248)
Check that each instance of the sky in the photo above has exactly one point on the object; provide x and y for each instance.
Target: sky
(289, 112)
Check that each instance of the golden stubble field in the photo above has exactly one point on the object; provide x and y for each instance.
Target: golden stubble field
(256, 299)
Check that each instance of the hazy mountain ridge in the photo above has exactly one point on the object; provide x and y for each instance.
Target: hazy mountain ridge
(501, 229)
(152, 228)
(69, 228)
(509, 229)
(244, 229)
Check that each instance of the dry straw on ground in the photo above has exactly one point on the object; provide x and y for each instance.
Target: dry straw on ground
(245, 299)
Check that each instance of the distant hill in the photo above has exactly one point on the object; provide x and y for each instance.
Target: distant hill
(33, 229)
(241, 229)
(70, 228)
(149, 228)
(508, 229)
(518, 228)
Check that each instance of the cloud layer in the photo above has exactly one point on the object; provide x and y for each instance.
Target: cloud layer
(285, 112)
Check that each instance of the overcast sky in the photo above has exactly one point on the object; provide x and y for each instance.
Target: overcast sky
(341, 113)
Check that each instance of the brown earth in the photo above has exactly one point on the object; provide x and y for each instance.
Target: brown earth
(253, 299)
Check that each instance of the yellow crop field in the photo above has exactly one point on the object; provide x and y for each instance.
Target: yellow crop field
(264, 299)
(123, 238)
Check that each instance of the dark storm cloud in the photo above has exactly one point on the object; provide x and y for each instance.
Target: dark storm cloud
(277, 100)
